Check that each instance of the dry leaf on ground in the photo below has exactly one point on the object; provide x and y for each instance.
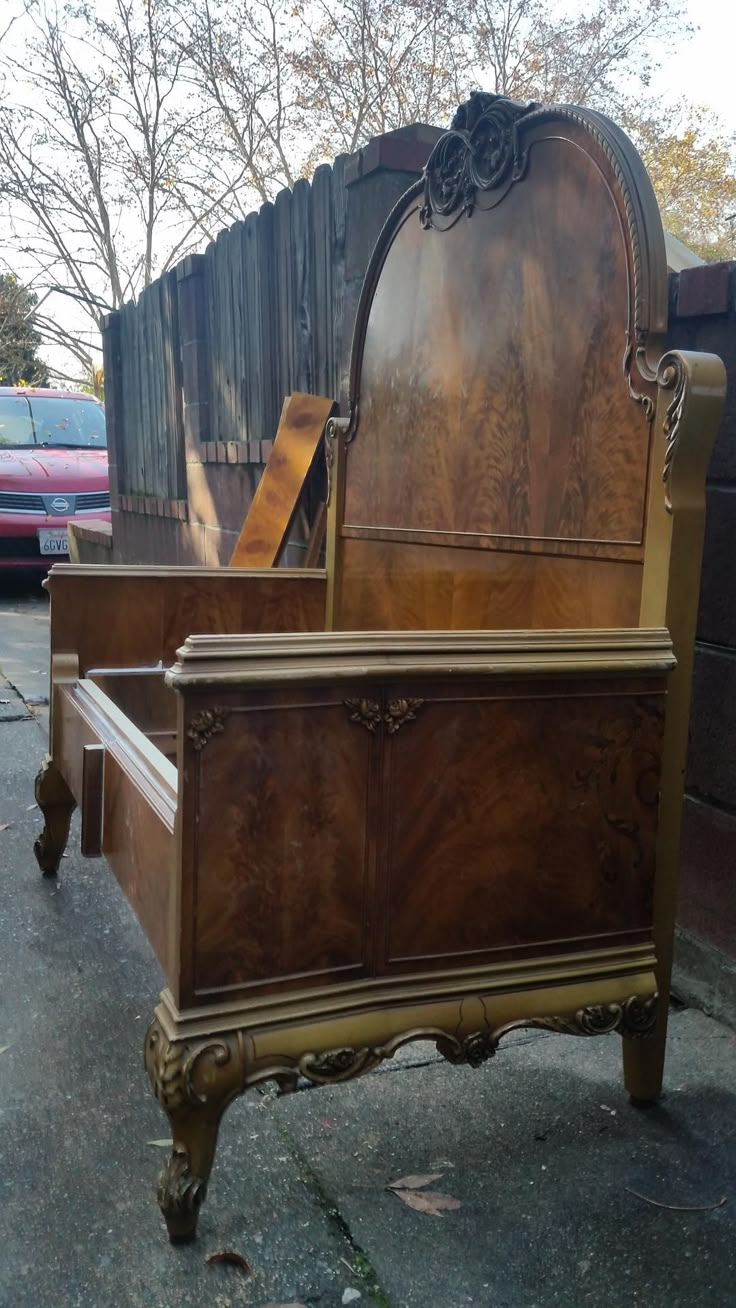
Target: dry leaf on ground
(4, 1049)
(414, 1182)
(430, 1202)
(230, 1256)
(160, 1144)
(4, 825)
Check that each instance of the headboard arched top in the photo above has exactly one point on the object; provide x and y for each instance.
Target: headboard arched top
(503, 375)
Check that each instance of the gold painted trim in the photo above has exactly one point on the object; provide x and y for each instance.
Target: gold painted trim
(327, 656)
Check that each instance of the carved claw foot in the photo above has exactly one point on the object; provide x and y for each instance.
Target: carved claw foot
(180, 1195)
(57, 804)
(194, 1081)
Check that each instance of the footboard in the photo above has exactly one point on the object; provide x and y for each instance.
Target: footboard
(371, 812)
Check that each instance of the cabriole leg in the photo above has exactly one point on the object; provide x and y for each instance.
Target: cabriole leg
(57, 803)
(194, 1081)
(644, 1062)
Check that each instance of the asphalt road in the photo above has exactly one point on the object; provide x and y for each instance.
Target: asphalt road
(24, 639)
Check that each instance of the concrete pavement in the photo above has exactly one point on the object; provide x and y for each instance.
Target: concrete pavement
(568, 1196)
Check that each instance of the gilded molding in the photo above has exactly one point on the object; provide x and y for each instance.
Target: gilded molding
(332, 431)
(205, 724)
(672, 375)
(634, 1018)
(176, 1067)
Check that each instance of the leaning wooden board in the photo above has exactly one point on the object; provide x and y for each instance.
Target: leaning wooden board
(271, 514)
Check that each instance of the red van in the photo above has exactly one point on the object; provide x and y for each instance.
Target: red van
(53, 470)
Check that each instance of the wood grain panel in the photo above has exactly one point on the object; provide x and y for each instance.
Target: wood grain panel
(394, 587)
(281, 867)
(141, 850)
(518, 818)
(143, 697)
(138, 808)
(274, 504)
(492, 397)
(136, 617)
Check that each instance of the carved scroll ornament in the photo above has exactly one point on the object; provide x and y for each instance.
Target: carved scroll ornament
(479, 153)
(671, 375)
(634, 1018)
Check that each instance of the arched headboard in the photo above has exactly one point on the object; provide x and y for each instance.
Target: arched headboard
(503, 384)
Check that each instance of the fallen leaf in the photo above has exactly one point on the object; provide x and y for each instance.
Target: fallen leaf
(4, 1048)
(430, 1202)
(230, 1256)
(160, 1144)
(4, 825)
(678, 1208)
(31, 806)
(414, 1182)
(351, 1296)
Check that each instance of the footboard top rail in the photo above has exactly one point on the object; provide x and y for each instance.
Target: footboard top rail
(263, 659)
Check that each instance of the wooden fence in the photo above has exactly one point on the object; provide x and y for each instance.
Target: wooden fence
(210, 349)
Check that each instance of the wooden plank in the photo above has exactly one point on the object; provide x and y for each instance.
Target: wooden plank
(284, 296)
(337, 260)
(274, 504)
(93, 766)
(301, 327)
(322, 247)
(268, 376)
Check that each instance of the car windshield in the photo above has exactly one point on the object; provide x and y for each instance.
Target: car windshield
(51, 420)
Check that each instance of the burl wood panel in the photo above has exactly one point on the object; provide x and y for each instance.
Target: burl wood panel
(277, 866)
(274, 504)
(136, 617)
(493, 407)
(492, 393)
(518, 821)
(395, 587)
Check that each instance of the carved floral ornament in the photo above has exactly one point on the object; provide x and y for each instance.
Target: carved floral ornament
(368, 713)
(480, 152)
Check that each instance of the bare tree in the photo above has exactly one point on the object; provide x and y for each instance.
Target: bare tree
(363, 67)
(535, 50)
(90, 148)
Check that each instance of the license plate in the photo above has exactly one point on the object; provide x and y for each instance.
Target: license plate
(53, 540)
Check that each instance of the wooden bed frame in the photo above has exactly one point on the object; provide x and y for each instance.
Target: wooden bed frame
(432, 792)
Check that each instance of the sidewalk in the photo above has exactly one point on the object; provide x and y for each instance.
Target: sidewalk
(540, 1146)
